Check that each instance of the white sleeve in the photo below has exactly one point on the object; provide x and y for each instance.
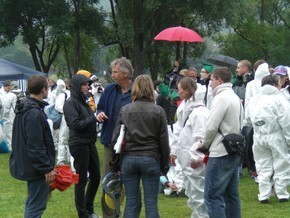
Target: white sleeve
(198, 120)
(59, 102)
(176, 132)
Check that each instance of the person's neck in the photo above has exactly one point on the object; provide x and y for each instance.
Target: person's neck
(37, 97)
(126, 85)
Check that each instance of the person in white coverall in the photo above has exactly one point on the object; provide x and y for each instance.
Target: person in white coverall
(63, 154)
(8, 100)
(254, 86)
(188, 132)
(268, 112)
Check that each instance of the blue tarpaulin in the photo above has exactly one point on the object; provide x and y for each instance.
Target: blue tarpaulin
(12, 71)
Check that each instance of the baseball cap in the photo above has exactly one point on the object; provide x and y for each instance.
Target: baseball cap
(280, 70)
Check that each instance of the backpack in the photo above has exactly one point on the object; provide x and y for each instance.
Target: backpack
(54, 115)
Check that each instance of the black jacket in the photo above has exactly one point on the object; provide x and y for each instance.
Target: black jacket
(33, 151)
(146, 130)
(79, 117)
(240, 85)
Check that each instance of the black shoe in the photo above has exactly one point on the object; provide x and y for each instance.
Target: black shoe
(283, 200)
(264, 201)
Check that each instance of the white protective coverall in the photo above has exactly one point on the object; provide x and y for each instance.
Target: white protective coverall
(254, 86)
(63, 153)
(8, 100)
(269, 114)
(187, 135)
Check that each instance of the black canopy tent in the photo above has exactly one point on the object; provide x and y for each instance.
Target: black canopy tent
(12, 71)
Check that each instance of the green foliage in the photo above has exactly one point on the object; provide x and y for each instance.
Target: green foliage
(262, 32)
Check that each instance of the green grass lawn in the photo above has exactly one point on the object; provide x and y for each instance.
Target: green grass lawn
(61, 204)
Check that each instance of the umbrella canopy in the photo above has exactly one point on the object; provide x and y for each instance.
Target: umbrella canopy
(179, 34)
(13, 71)
(223, 60)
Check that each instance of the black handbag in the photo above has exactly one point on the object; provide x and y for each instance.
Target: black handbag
(234, 143)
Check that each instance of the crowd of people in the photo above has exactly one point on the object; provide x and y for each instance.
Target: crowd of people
(174, 131)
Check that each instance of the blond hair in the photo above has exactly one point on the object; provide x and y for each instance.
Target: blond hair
(183, 72)
(143, 87)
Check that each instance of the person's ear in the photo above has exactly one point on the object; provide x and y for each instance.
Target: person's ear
(220, 80)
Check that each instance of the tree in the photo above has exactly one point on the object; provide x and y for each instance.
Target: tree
(261, 32)
(39, 22)
(134, 25)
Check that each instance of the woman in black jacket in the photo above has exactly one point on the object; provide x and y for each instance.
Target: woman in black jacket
(146, 149)
(82, 138)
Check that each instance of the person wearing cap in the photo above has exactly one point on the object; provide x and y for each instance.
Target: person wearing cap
(205, 80)
(8, 100)
(281, 71)
(268, 113)
(115, 96)
(285, 91)
(244, 76)
(163, 100)
(96, 88)
(188, 131)
(81, 122)
(90, 95)
(156, 91)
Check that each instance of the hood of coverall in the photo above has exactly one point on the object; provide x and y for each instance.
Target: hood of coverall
(262, 71)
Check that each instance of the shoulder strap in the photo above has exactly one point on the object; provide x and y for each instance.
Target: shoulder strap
(200, 105)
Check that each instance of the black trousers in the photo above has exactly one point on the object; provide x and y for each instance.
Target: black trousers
(86, 160)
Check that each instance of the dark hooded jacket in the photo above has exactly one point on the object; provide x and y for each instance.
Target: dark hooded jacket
(33, 151)
(79, 117)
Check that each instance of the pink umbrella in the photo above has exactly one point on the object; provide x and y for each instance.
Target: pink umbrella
(179, 34)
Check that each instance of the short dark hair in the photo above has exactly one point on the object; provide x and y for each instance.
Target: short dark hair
(224, 73)
(36, 83)
(258, 63)
(271, 79)
(247, 64)
(7, 83)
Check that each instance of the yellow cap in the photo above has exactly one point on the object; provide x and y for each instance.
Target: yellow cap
(85, 73)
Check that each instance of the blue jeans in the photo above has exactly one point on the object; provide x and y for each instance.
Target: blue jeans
(38, 191)
(147, 169)
(221, 187)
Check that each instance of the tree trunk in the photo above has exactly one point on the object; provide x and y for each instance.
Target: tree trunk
(32, 49)
(184, 59)
(177, 53)
(138, 37)
(77, 47)
(153, 59)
